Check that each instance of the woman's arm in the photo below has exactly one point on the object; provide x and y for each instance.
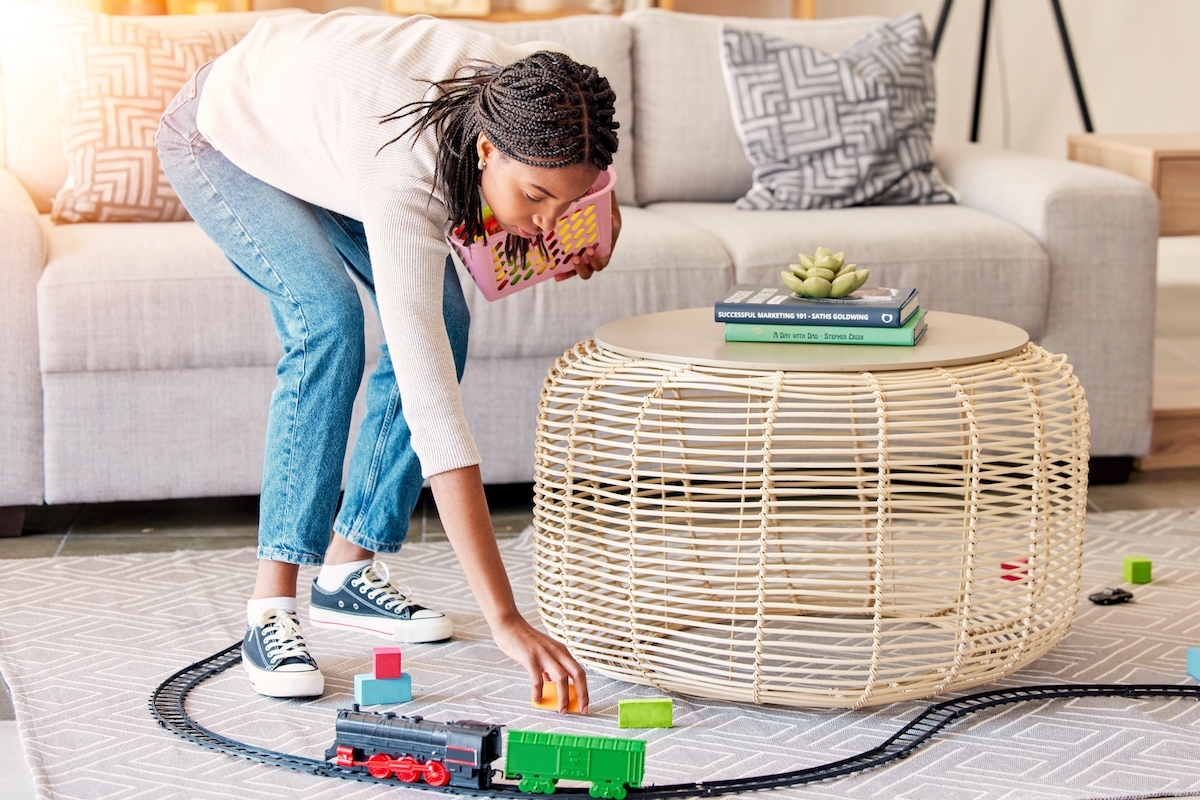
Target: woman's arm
(464, 514)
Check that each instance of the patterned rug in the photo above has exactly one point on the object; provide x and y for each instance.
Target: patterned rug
(83, 642)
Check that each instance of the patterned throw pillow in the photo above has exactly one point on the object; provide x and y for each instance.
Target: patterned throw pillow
(830, 131)
(116, 79)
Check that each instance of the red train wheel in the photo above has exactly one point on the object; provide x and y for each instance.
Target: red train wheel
(436, 773)
(379, 765)
(407, 769)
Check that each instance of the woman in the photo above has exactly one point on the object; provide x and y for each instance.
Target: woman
(320, 145)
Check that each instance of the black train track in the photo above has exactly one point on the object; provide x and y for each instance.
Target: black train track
(168, 704)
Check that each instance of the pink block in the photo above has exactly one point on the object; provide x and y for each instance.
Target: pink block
(386, 662)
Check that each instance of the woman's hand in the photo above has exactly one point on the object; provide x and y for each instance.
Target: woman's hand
(544, 659)
(463, 509)
(588, 263)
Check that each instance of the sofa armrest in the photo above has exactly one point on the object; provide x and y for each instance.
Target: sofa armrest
(1100, 230)
(22, 259)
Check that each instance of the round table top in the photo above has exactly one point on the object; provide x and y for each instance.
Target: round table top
(691, 336)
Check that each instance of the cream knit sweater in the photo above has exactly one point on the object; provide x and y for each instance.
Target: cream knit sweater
(296, 104)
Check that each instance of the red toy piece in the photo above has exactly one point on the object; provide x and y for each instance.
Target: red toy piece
(405, 768)
(1015, 570)
(386, 663)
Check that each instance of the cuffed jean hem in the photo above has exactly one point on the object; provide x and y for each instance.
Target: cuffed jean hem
(290, 557)
(359, 539)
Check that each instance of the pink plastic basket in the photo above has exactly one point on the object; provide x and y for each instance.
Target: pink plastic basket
(588, 221)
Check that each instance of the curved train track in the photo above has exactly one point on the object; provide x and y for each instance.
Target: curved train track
(168, 704)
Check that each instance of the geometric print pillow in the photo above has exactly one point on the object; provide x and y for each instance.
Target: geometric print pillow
(116, 79)
(830, 131)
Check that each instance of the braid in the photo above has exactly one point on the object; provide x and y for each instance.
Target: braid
(545, 110)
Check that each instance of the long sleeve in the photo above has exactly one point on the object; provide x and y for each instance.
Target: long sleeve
(408, 258)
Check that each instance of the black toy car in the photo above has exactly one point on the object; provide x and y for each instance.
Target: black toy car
(1110, 596)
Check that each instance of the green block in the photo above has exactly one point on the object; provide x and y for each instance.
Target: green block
(657, 712)
(1136, 569)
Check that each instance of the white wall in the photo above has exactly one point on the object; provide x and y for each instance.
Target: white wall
(1138, 59)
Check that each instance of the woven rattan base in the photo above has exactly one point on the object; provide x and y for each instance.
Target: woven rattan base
(830, 539)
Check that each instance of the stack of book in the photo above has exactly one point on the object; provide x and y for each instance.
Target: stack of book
(876, 316)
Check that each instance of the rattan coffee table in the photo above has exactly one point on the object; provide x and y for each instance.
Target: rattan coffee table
(809, 525)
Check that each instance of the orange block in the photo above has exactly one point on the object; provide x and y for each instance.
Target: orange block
(549, 699)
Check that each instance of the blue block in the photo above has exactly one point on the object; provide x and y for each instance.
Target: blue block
(1193, 662)
(372, 691)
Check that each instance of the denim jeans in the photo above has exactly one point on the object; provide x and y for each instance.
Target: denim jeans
(302, 257)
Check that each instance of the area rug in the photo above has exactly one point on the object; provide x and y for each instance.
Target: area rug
(83, 642)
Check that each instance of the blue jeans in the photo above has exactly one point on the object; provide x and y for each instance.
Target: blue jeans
(302, 257)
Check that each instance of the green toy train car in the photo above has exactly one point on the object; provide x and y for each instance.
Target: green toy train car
(539, 760)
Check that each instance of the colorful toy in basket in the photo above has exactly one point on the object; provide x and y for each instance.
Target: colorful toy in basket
(587, 222)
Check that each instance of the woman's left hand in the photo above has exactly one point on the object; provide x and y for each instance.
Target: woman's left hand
(588, 263)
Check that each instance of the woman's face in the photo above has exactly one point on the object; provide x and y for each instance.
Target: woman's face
(527, 200)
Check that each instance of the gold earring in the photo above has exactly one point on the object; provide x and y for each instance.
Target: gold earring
(481, 164)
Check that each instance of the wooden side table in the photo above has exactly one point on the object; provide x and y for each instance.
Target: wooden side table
(1168, 162)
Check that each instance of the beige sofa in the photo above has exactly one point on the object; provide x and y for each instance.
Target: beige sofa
(136, 364)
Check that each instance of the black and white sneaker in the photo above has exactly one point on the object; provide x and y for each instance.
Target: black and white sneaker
(277, 659)
(368, 601)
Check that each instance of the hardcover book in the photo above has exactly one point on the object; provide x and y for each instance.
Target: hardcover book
(875, 307)
(907, 334)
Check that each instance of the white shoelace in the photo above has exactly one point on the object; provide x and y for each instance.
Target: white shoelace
(282, 636)
(381, 590)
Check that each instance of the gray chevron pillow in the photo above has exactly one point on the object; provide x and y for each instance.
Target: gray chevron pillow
(830, 131)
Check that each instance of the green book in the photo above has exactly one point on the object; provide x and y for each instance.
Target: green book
(907, 334)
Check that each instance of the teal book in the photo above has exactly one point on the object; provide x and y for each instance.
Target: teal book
(907, 334)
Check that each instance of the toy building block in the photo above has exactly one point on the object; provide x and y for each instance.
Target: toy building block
(1193, 662)
(1015, 570)
(1136, 569)
(656, 712)
(385, 663)
(372, 691)
(549, 699)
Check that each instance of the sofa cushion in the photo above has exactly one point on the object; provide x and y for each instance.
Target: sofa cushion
(827, 131)
(146, 295)
(960, 259)
(117, 78)
(659, 263)
(158, 296)
(602, 42)
(32, 109)
(686, 146)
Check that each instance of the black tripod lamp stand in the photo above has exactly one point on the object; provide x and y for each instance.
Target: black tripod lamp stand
(983, 41)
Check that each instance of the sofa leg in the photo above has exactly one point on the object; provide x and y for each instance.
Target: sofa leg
(12, 519)
(1106, 470)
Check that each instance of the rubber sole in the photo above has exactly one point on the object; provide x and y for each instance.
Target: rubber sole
(310, 683)
(413, 631)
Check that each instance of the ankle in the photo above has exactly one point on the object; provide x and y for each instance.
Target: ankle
(343, 551)
(275, 579)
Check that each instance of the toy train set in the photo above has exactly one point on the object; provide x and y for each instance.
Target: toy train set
(460, 754)
(542, 759)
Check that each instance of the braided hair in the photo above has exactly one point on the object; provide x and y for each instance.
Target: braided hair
(545, 110)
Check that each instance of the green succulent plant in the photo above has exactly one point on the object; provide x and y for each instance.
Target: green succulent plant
(824, 274)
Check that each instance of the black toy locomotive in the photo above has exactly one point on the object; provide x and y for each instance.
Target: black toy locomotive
(410, 748)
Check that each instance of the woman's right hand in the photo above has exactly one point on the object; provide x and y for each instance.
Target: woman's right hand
(544, 659)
